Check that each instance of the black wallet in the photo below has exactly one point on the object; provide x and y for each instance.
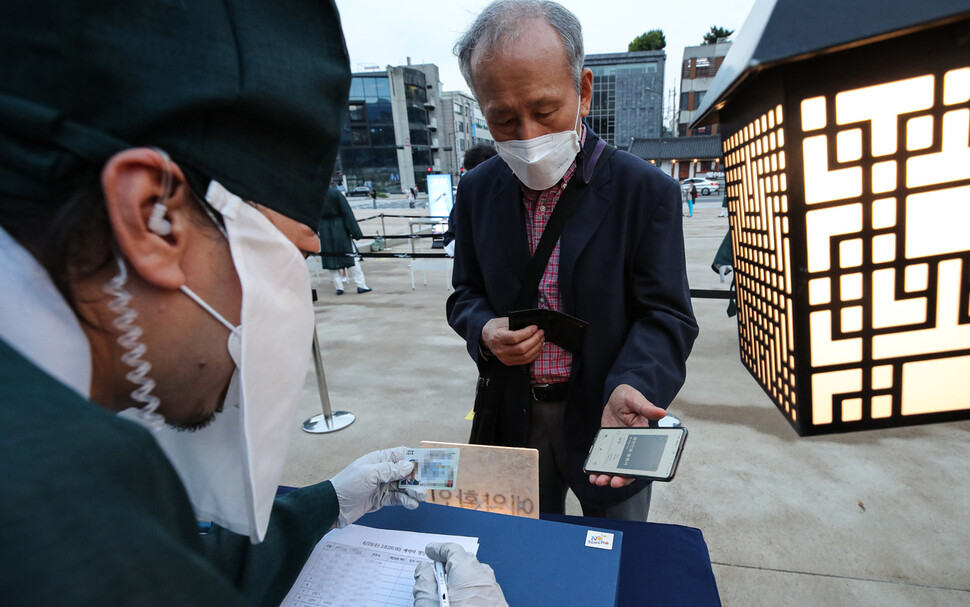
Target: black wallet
(561, 329)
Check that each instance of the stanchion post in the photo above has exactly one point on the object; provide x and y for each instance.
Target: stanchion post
(328, 421)
(384, 230)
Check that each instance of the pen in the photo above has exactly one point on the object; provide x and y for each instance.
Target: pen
(439, 574)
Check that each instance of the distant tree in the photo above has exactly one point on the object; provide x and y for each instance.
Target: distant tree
(716, 34)
(653, 40)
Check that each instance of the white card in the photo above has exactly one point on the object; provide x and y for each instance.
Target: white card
(433, 468)
(599, 539)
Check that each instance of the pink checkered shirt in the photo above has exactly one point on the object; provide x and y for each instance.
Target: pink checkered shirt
(553, 364)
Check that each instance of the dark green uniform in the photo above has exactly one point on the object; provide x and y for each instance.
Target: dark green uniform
(92, 513)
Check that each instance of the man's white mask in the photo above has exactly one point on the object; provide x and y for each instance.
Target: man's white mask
(232, 467)
(541, 162)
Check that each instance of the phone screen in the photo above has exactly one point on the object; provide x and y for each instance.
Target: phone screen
(641, 452)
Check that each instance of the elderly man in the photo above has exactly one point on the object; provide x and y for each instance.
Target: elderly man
(619, 263)
(162, 167)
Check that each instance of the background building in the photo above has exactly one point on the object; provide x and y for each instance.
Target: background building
(627, 95)
(697, 72)
(463, 125)
(682, 157)
(390, 138)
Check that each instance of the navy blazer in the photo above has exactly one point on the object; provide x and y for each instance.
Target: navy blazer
(622, 269)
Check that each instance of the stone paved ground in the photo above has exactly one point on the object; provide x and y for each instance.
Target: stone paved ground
(871, 518)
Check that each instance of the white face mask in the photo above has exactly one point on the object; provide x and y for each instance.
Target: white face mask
(232, 467)
(541, 162)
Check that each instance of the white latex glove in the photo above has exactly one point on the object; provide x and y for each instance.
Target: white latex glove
(470, 583)
(370, 483)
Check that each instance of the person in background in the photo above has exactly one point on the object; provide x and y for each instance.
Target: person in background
(477, 154)
(691, 199)
(338, 229)
(161, 170)
(474, 156)
(619, 263)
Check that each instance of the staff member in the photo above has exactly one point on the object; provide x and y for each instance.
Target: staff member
(161, 172)
(338, 229)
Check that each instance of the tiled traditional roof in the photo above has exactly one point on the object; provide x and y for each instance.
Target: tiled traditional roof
(781, 31)
(703, 147)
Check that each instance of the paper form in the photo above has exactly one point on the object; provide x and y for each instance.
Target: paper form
(360, 566)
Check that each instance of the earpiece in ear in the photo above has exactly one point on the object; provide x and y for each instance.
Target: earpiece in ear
(157, 222)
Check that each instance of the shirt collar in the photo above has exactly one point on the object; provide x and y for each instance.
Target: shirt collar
(37, 322)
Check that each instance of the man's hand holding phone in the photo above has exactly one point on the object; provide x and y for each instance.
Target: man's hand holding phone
(627, 407)
(627, 453)
(512, 347)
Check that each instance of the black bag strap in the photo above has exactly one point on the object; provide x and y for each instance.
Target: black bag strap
(557, 221)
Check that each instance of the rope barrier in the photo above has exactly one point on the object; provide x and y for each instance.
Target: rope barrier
(384, 215)
(384, 255)
(712, 294)
(694, 293)
(408, 236)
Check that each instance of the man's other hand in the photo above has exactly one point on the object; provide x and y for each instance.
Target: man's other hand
(512, 347)
(626, 407)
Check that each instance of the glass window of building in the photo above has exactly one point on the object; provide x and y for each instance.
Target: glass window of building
(419, 137)
(415, 94)
(415, 87)
(357, 88)
(358, 136)
(417, 115)
(368, 149)
(382, 135)
(380, 111)
(358, 112)
(421, 159)
(603, 107)
(384, 89)
(649, 67)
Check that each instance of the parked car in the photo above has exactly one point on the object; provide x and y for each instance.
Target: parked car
(704, 186)
(361, 190)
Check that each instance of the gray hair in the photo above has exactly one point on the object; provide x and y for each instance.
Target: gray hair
(501, 22)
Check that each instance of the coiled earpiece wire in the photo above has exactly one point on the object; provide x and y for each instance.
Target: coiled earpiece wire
(130, 331)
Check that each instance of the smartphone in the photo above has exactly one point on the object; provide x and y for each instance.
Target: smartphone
(651, 453)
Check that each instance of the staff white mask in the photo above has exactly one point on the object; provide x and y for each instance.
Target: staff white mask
(231, 468)
(541, 162)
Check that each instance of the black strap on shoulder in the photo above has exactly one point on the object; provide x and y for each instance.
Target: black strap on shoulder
(567, 203)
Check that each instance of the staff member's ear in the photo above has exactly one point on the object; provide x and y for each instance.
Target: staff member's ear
(134, 181)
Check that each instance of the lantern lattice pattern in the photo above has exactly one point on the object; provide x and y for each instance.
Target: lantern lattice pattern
(871, 246)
